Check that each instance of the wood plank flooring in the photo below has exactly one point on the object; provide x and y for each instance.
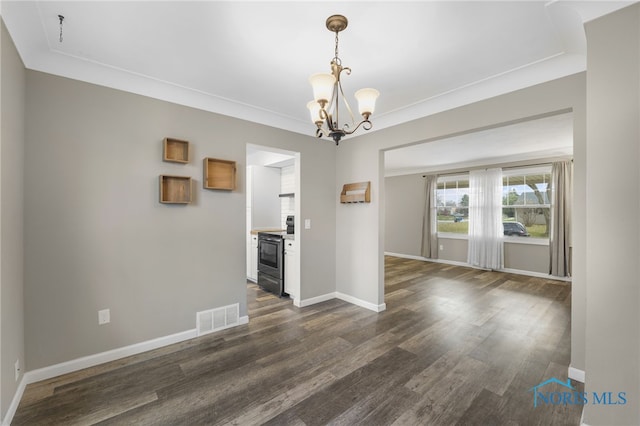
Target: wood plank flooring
(456, 346)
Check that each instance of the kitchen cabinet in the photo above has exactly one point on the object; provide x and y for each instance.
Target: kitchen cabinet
(253, 258)
(291, 279)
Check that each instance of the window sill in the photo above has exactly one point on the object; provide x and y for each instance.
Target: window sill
(527, 240)
(507, 240)
(452, 236)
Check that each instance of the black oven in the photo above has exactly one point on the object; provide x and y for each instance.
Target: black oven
(271, 263)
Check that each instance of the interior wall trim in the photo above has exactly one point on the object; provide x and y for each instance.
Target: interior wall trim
(576, 374)
(77, 364)
(456, 263)
(408, 256)
(362, 303)
(13, 407)
(582, 423)
(426, 259)
(536, 274)
(103, 357)
(312, 301)
(111, 355)
(341, 296)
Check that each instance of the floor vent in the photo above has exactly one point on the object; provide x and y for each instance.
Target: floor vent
(217, 319)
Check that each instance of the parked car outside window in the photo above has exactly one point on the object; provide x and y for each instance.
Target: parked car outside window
(515, 228)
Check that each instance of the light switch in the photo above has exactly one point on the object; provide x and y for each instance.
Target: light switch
(307, 224)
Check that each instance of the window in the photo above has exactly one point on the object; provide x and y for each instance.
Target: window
(452, 201)
(526, 205)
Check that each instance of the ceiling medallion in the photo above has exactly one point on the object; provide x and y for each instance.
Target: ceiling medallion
(327, 89)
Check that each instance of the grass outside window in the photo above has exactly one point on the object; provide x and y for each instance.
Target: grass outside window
(451, 227)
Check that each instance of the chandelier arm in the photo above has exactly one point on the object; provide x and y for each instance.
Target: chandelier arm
(366, 125)
(333, 125)
(346, 103)
(327, 118)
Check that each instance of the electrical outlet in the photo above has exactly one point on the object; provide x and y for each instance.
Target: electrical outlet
(104, 317)
(441, 247)
(307, 224)
(17, 368)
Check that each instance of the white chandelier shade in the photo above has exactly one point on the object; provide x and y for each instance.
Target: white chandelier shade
(322, 85)
(314, 110)
(366, 100)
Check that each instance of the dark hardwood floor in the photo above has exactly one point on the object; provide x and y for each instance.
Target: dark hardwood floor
(456, 346)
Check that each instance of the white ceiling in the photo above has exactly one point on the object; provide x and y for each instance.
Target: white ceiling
(251, 60)
(539, 139)
(270, 157)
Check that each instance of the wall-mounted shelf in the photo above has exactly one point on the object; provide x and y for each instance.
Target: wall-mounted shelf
(219, 174)
(175, 189)
(359, 192)
(175, 150)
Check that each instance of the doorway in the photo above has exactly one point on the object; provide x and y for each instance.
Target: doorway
(273, 195)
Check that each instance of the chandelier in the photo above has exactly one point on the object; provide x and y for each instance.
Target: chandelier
(327, 88)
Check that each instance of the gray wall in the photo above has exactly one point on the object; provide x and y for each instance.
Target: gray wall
(96, 236)
(12, 123)
(404, 206)
(613, 135)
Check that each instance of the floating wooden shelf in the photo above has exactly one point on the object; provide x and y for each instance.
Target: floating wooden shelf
(219, 174)
(176, 151)
(175, 189)
(359, 192)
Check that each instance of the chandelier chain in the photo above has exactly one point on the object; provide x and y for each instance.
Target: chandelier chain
(336, 58)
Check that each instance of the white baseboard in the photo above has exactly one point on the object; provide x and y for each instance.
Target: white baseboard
(465, 264)
(100, 358)
(576, 374)
(405, 256)
(318, 299)
(450, 262)
(13, 407)
(341, 296)
(97, 359)
(112, 355)
(426, 259)
(582, 423)
(536, 274)
(362, 303)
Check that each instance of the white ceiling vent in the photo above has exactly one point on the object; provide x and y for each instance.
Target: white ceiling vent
(217, 319)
